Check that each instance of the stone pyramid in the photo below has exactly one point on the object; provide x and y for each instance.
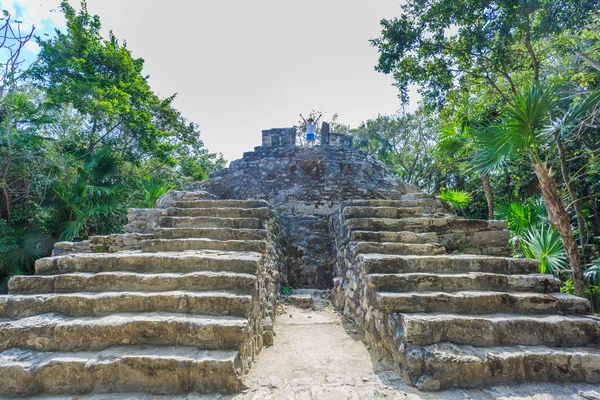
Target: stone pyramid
(184, 300)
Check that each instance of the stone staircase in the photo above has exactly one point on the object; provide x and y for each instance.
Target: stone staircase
(183, 305)
(439, 296)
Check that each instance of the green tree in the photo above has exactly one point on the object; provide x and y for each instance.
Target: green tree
(403, 143)
(483, 52)
(105, 85)
(92, 202)
(526, 129)
(456, 143)
(449, 47)
(14, 106)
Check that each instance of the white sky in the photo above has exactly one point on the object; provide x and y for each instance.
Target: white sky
(241, 66)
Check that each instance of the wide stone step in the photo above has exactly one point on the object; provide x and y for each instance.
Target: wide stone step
(219, 204)
(423, 224)
(399, 248)
(381, 212)
(481, 302)
(499, 330)
(53, 332)
(149, 262)
(421, 202)
(151, 370)
(228, 212)
(99, 304)
(395, 237)
(164, 245)
(416, 196)
(444, 282)
(210, 222)
(384, 263)
(131, 281)
(459, 239)
(211, 233)
(447, 365)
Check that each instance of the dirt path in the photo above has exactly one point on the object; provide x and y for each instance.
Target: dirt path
(318, 356)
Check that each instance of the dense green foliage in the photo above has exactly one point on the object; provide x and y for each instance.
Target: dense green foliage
(403, 144)
(83, 137)
(511, 91)
(458, 199)
(507, 128)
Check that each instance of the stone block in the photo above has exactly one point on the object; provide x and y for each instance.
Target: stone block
(301, 300)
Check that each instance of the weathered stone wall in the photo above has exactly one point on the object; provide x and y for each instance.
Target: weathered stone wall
(103, 244)
(304, 185)
(455, 234)
(265, 295)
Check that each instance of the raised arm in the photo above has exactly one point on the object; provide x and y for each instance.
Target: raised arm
(302, 118)
(317, 120)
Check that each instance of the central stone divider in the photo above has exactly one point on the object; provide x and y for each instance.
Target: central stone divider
(437, 294)
(183, 302)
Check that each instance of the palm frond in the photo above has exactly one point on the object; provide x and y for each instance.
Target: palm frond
(530, 112)
(543, 244)
(153, 189)
(592, 273)
(72, 229)
(520, 215)
(31, 245)
(574, 114)
(518, 132)
(494, 147)
(458, 199)
(451, 142)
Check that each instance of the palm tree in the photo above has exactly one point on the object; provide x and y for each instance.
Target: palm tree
(19, 254)
(527, 130)
(92, 203)
(457, 143)
(152, 190)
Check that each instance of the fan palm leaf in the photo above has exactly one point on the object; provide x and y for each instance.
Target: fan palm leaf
(494, 147)
(543, 244)
(458, 199)
(519, 131)
(520, 216)
(572, 116)
(530, 113)
(592, 273)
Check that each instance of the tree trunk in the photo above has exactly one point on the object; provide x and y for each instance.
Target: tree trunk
(564, 168)
(5, 191)
(489, 197)
(559, 218)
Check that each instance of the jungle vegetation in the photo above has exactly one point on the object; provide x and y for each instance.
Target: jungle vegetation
(507, 122)
(506, 127)
(82, 138)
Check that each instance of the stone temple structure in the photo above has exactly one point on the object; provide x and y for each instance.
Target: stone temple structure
(184, 300)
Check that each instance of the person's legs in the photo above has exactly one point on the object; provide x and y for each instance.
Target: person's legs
(310, 139)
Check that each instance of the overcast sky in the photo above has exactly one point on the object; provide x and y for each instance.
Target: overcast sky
(241, 66)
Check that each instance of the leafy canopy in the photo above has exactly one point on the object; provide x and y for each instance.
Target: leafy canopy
(102, 81)
(448, 46)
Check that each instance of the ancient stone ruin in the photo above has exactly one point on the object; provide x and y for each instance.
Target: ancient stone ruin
(185, 299)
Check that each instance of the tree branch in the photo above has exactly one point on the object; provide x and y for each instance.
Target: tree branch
(585, 57)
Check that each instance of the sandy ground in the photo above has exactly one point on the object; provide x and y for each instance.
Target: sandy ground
(319, 356)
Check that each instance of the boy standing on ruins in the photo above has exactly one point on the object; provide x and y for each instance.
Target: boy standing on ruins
(311, 126)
